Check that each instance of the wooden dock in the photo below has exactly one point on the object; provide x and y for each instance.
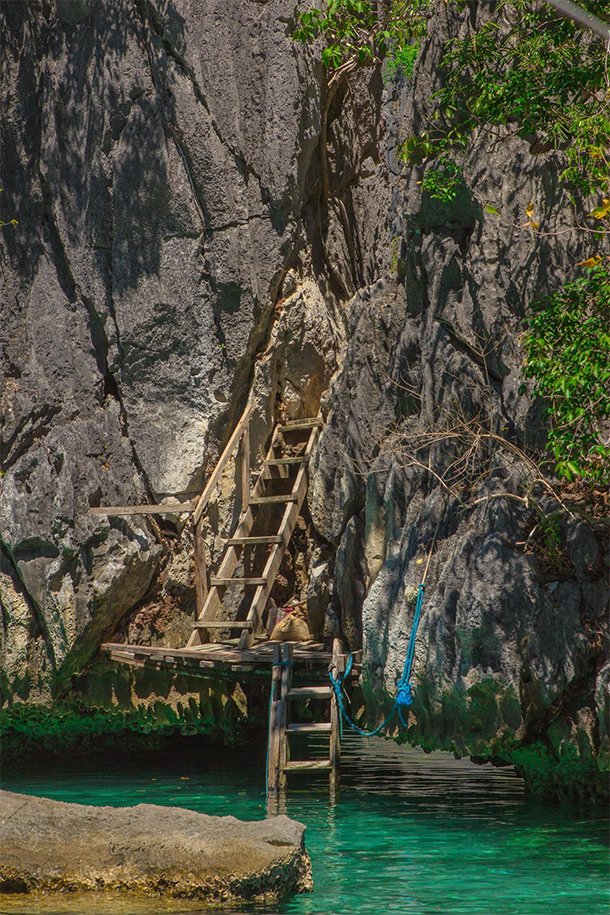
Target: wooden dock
(226, 659)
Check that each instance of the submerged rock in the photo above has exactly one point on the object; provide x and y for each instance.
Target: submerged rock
(51, 845)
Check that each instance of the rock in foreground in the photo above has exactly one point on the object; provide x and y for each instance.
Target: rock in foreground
(50, 845)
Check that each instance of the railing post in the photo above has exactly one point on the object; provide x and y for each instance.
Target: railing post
(335, 725)
(245, 468)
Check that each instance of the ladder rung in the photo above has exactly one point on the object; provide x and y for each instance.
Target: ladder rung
(300, 424)
(301, 765)
(223, 582)
(279, 462)
(245, 541)
(268, 500)
(310, 728)
(309, 692)
(223, 624)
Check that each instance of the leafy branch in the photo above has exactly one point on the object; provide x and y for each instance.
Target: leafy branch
(567, 346)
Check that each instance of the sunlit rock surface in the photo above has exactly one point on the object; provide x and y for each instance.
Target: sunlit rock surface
(54, 846)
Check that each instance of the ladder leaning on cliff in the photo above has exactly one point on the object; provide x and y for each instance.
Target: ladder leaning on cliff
(291, 448)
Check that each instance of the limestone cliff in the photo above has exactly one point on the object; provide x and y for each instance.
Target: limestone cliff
(163, 161)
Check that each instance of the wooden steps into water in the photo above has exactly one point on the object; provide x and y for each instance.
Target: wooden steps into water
(282, 728)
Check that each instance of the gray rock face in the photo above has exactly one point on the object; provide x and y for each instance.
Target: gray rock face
(173, 252)
(514, 629)
(53, 846)
(159, 158)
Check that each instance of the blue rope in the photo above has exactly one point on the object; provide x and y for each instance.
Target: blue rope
(404, 690)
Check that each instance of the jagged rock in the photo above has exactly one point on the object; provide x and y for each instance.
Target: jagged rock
(318, 597)
(508, 649)
(54, 846)
(173, 250)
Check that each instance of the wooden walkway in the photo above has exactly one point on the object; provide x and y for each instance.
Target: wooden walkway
(226, 659)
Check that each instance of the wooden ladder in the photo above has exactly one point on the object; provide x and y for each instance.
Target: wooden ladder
(278, 468)
(282, 727)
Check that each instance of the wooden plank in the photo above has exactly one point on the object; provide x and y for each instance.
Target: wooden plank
(303, 765)
(279, 462)
(168, 508)
(317, 727)
(253, 541)
(273, 500)
(301, 424)
(224, 582)
(224, 624)
(284, 711)
(216, 474)
(273, 769)
(245, 468)
(261, 653)
(310, 692)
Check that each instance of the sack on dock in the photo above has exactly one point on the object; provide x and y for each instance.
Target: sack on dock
(292, 628)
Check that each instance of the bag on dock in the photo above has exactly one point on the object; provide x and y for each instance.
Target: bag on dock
(292, 628)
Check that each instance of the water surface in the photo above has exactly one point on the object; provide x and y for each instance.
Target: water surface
(413, 834)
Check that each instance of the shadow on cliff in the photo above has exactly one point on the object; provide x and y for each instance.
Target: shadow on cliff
(85, 165)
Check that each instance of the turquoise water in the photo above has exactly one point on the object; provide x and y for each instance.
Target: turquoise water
(413, 834)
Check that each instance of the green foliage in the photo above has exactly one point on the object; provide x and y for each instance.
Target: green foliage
(527, 71)
(533, 74)
(443, 180)
(33, 731)
(567, 346)
(550, 532)
(401, 60)
(362, 33)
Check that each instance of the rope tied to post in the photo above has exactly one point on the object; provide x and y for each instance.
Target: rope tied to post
(404, 687)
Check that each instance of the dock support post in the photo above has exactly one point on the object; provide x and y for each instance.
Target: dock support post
(273, 758)
(287, 662)
(277, 752)
(338, 661)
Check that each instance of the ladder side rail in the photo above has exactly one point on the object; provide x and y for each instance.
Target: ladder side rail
(201, 572)
(245, 468)
(223, 460)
